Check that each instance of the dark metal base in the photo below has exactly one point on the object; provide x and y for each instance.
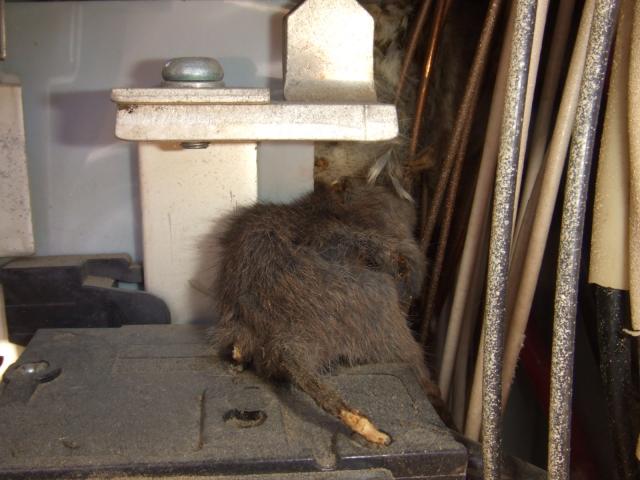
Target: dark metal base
(153, 400)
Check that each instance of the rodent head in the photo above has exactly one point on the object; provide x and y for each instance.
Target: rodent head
(379, 202)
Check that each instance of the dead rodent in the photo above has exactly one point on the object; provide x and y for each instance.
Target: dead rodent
(324, 280)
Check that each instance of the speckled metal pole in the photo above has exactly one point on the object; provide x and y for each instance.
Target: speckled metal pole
(3, 34)
(500, 243)
(571, 234)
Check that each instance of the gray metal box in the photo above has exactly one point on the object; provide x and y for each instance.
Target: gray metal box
(154, 400)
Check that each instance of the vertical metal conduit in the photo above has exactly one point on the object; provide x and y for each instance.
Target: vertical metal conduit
(571, 234)
(500, 243)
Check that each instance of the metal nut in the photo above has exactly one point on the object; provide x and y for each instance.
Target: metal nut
(193, 69)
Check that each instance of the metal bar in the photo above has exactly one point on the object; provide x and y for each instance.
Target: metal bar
(531, 238)
(478, 234)
(3, 32)
(633, 100)
(548, 94)
(412, 45)
(441, 13)
(500, 243)
(467, 108)
(571, 234)
(459, 140)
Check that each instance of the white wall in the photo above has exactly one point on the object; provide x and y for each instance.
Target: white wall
(70, 54)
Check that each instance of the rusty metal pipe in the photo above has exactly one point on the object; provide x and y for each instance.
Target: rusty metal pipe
(434, 279)
(423, 89)
(459, 139)
(468, 105)
(412, 45)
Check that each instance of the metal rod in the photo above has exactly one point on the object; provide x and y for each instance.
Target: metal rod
(412, 45)
(500, 243)
(477, 236)
(534, 62)
(571, 234)
(462, 388)
(477, 219)
(634, 170)
(443, 239)
(460, 136)
(423, 89)
(531, 240)
(548, 94)
(3, 32)
(467, 105)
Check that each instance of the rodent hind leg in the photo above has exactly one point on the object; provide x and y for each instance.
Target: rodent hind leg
(234, 343)
(237, 354)
(330, 401)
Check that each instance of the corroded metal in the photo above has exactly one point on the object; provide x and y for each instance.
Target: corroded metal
(571, 234)
(329, 52)
(421, 19)
(434, 38)
(500, 243)
(467, 107)
(458, 144)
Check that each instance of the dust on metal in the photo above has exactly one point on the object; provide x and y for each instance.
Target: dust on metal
(329, 52)
(500, 244)
(571, 235)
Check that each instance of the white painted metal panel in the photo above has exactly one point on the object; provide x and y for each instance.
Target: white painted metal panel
(16, 230)
(183, 194)
(273, 121)
(69, 55)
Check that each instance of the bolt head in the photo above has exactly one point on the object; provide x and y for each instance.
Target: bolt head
(192, 69)
(31, 369)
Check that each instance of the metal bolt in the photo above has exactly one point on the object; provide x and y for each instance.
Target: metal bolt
(193, 72)
(194, 145)
(30, 369)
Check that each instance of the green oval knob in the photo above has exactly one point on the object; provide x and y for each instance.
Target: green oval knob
(192, 69)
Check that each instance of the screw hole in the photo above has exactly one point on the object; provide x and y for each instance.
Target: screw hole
(245, 418)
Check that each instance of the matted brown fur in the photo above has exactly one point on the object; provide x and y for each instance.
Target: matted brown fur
(324, 280)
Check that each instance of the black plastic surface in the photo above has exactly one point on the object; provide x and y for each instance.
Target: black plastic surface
(75, 291)
(618, 369)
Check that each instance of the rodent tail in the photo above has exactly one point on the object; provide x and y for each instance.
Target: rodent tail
(330, 401)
